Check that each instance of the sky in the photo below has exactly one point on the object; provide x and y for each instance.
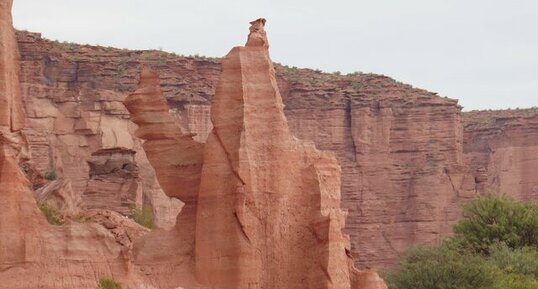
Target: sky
(484, 53)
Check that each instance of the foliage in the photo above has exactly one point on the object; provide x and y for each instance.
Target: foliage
(495, 246)
(109, 283)
(439, 268)
(143, 216)
(54, 217)
(515, 261)
(495, 219)
(51, 175)
(519, 281)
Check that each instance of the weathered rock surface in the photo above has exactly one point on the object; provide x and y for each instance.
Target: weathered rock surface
(73, 123)
(167, 257)
(11, 109)
(114, 182)
(400, 148)
(501, 147)
(269, 205)
(34, 254)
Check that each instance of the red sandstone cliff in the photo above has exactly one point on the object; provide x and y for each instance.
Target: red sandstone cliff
(34, 254)
(501, 147)
(268, 206)
(400, 148)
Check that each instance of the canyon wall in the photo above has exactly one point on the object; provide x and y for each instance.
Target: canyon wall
(263, 211)
(33, 253)
(400, 148)
(501, 147)
(79, 132)
(264, 208)
(407, 162)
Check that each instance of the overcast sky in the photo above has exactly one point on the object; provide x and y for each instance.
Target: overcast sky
(482, 52)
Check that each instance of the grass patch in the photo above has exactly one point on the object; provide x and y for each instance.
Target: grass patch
(109, 283)
(51, 175)
(54, 217)
(143, 216)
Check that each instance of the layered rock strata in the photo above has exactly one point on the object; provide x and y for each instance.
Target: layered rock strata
(177, 160)
(501, 147)
(400, 148)
(71, 122)
(34, 254)
(269, 205)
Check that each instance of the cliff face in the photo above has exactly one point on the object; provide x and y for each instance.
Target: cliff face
(76, 124)
(400, 148)
(34, 254)
(264, 211)
(501, 147)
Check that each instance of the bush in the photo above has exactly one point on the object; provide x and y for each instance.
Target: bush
(54, 217)
(143, 216)
(518, 281)
(522, 261)
(441, 267)
(495, 246)
(492, 219)
(109, 283)
(51, 175)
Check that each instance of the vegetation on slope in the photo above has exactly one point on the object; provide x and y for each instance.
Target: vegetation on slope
(143, 216)
(494, 246)
(108, 283)
(54, 217)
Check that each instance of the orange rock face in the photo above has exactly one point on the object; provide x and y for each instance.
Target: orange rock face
(11, 109)
(403, 156)
(267, 205)
(175, 156)
(268, 209)
(19, 217)
(34, 254)
(501, 147)
(400, 148)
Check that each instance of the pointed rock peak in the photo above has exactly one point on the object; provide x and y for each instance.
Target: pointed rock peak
(257, 35)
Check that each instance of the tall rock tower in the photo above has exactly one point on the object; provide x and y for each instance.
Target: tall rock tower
(268, 210)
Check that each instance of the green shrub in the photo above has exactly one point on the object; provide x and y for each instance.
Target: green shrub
(109, 283)
(443, 268)
(519, 281)
(143, 216)
(51, 175)
(54, 217)
(495, 246)
(523, 261)
(492, 219)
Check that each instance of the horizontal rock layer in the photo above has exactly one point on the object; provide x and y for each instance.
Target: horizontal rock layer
(400, 148)
(501, 147)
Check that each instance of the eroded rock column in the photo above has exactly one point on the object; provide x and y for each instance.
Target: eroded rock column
(268, 210)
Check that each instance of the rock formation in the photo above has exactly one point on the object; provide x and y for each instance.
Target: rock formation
(11, 109)
(501, 147)
(34, 254)
(71, 125)
(269, 205)
(20, 219)
(404, 173)
(397, 145)
(177, 160)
